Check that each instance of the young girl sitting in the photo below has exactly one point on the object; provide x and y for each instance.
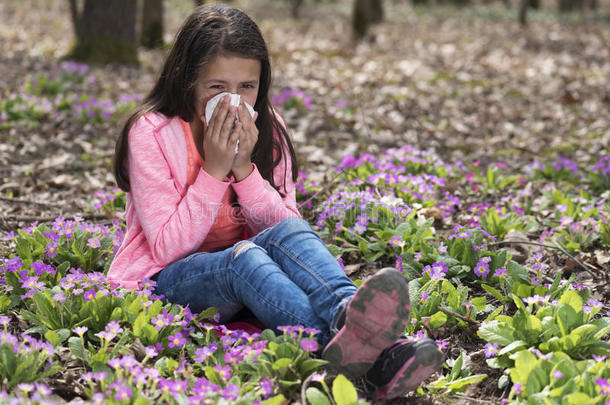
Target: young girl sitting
(212, 217)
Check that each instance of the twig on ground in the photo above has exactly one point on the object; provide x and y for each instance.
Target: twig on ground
(557, 246)
(574, 258)
(459, 316)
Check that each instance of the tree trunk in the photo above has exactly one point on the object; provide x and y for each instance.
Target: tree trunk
(105, 31)
(567, 5)
(366, 13)
(296, 8)
(523, 12)
(152, 24)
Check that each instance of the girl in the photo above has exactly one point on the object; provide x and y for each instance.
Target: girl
(216, 225)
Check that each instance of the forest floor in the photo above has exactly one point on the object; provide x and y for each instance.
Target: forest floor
(468, 84)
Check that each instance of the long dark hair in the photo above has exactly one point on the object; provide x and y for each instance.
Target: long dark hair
(209, 31)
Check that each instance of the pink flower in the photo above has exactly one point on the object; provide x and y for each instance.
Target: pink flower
(309, 345)
(491, 350)
(436, 271)
(423, 296)
(89, 295)
(482, 268)
(500, 272)
(203, 353)
(94, 242)
(176, 340)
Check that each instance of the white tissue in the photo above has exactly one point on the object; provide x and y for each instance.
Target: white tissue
(211, 105)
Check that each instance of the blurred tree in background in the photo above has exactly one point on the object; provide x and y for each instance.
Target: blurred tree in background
(152, 24)
(105, 31)
(366, 13)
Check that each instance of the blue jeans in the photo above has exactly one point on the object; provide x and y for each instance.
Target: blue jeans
(285, 275)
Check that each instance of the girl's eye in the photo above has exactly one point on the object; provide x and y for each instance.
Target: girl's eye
(248, 86)
(216, 86)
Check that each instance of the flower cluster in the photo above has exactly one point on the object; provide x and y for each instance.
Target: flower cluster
(306, 190)
(64, 89)
(293, 98)
(436, 271)
(482, 267)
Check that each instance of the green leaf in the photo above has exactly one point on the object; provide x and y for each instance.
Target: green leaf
(536, 381)
(499, 259)
(479, 303)
(211, 374)
(453, 297)
(316, 397)
(268, 335)
(566, 318)
(63, 334)
(514, 346)
(343, 390)
(459, 385)
(456, 370)
(276, 400)
(502, 362)
(289, 384)
(5, 303)
(497, 294)
(52, 337)
(577, 398)
(603, 327)
(525, 362)
(311, 364)
(286, 350)
(139, 323)
(78, 349)
(437, 320)
(282, 363)
(503, 381)
(136, 306)
(497, 332)
(517, 272)
(571, 298)
(494, 314)
(207, 313)
(527, 326)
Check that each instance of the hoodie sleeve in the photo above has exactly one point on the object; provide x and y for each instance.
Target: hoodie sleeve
(261, 204)
(174, 225)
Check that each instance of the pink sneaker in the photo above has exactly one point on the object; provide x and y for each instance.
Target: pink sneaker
(374, 318)
(401, 368)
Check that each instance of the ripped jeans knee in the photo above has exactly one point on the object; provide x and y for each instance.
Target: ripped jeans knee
(242, 247)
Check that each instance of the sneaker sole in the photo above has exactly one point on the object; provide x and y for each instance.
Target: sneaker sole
(375, 317)
(426, 360)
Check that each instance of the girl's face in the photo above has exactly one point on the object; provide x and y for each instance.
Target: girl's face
(232, 74)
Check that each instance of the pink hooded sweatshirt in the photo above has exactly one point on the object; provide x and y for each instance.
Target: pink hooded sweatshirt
(168, 218)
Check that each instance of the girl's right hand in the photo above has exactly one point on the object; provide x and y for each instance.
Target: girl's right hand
(219, 141)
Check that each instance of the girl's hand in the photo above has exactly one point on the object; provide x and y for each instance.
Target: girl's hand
(248, 135)
(218, 141)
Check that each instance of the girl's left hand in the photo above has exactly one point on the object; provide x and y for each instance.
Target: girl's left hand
(248, 136)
